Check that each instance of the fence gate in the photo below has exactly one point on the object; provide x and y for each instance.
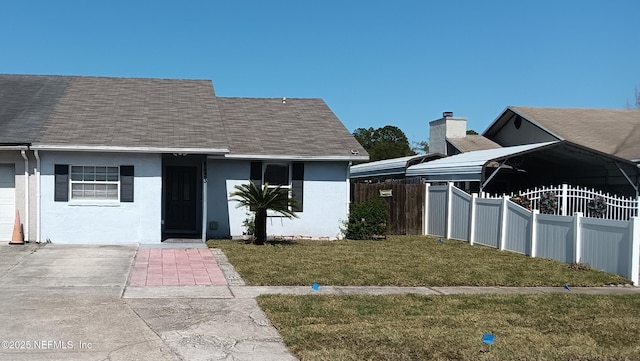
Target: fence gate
(405, 203)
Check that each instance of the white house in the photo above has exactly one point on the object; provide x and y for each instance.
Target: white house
(120, 160)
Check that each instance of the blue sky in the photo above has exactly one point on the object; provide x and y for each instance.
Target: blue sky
(374, 62)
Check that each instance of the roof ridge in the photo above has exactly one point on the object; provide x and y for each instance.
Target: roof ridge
(102, 77)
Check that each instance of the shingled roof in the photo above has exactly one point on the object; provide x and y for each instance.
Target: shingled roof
(611, 131)
(473, 142)
(295, 127)
(164, 114)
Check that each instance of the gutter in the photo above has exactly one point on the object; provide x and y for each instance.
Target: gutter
(294, 157)
(26, 194)
(38, 195)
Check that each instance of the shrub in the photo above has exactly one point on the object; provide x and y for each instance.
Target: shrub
(548, 203)
(597, 207)
(522, 201)
(366, 220)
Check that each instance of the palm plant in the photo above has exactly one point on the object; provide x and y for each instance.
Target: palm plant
(261, 199)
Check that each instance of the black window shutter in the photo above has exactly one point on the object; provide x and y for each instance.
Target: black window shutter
(256, 175)
(297, 184)
(126, 183)
(61, 190)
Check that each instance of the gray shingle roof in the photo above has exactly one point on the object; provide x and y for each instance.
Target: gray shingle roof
(164, 113)
(26, 102)
(267, 126)
(473, 142)
(130, 112)
(612, 131)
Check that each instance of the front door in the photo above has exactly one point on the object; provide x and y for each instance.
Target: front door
(181, 203)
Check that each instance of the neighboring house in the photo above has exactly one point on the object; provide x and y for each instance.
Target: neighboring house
(119, 160)
(527, 147)
(611, 131)
(594, 148)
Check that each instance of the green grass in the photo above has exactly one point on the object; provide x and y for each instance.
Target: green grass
(412, 327)
(399, 261)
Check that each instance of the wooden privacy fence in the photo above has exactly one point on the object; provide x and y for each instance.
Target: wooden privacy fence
(609, 245)
(572, 199)
(405, 204)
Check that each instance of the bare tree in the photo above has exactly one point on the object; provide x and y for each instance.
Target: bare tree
(636, 100)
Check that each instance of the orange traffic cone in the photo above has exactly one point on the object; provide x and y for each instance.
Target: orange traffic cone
(17, 237)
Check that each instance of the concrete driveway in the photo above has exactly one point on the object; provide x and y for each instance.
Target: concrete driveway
(63, 302)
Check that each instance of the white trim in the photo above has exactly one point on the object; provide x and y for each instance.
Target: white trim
(26, 194)
(38, 195)
(100, 148)
(294, 157)
(94, 200)
(14, 147)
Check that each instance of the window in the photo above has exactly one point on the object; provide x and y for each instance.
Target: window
(90, 182)
(289, 176)
(277, 175)
(80, 182)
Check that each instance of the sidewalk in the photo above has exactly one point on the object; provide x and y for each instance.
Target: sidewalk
(98, 302)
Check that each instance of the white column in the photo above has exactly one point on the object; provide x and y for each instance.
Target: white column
(447, 231)
(534, 232)
(425, 210)
(577, 229)
(634, 252)
(503, 224)
(563, 199)
(472, 220)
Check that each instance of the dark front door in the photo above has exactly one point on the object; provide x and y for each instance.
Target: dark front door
(180, 199)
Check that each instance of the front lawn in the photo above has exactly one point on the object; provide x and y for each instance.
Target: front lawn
(412, 327)
(399, 261)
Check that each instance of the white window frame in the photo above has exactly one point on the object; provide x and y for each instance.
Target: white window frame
(94, 182)
(288, 186)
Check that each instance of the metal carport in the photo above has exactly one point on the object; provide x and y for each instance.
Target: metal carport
(525, 166)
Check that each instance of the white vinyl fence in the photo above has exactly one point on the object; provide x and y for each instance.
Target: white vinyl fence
(609, 245)
(572, 199)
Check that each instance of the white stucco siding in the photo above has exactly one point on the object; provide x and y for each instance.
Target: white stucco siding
(326, 198)
(103, 222)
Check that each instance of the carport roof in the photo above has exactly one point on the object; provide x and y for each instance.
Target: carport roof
(389, 167)
(551, 160)
(467, 166)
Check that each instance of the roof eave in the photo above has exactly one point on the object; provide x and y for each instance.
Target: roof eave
(125, 149)
(354, 158)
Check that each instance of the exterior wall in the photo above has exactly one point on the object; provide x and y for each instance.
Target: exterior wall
(326, 198)
(441, 129)
(103, 222)
(527, 133)
(14, 158)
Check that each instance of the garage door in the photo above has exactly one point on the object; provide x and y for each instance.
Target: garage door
(7, 201)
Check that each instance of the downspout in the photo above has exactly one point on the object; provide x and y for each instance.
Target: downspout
(205, 203)
(38, 200)
(26, 194)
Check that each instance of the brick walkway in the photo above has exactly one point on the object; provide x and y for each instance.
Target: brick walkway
(176, 267)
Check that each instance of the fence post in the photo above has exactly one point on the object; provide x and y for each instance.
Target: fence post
(635, 250)
(534, 232)
(447, 231)
(577, 233)
(503, 224)
(472, 220)
(563, 198)
(425, 210)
